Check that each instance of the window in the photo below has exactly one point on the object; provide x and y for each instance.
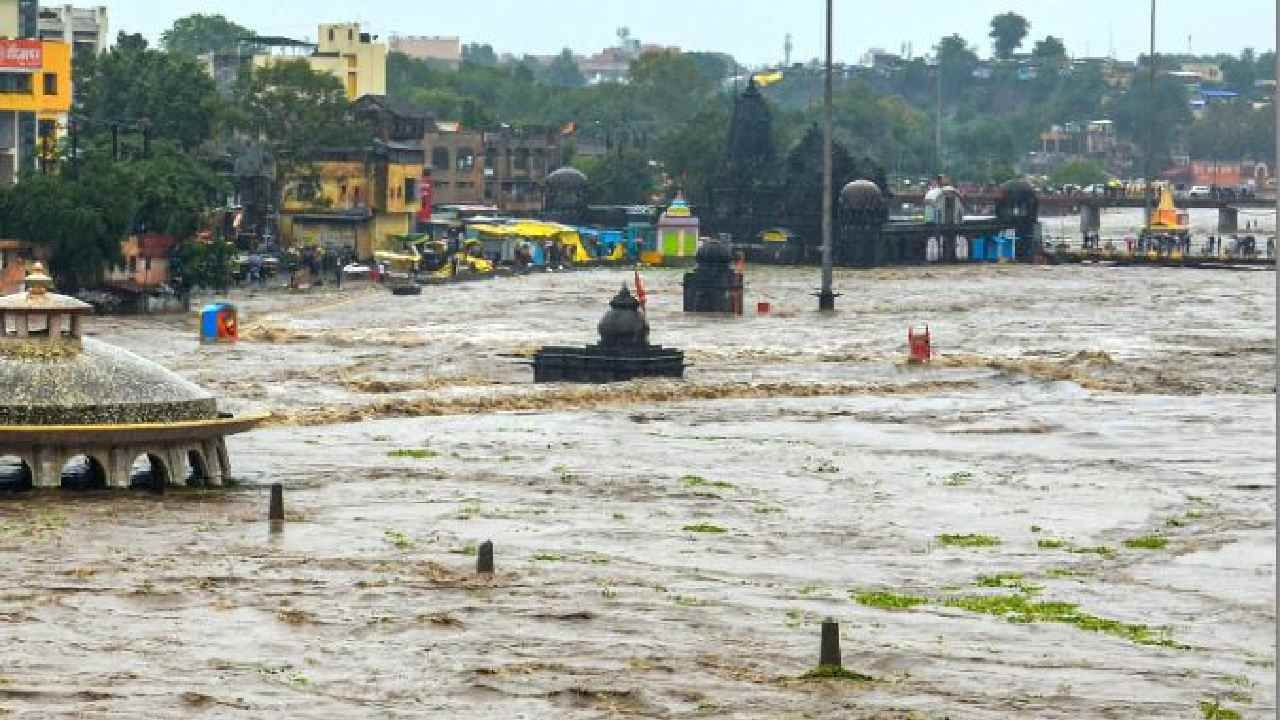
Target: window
(440, 158)
(522, 159)
(15, 83)
(133, 264)
(351, 35)
(50, 83)
(466, 159)
(330, 34)
(410, 189)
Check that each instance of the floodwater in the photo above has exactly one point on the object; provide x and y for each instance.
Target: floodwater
(668, 549)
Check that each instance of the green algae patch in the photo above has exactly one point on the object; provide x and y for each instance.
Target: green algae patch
(1019, 609)
(888, 600)
(969, 540)
(697, 481)
(1147, 542)
(414, 453)
(704, 528)
(835, 672)
(1007, 580)
(1212, 710)
(1051, 544)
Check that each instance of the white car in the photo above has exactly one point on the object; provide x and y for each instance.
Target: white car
(1199, 191)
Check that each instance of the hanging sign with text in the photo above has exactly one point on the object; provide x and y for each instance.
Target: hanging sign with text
(21, 54)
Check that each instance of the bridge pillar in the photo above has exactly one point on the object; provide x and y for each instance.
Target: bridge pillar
(1228, 219)
(1090, 218)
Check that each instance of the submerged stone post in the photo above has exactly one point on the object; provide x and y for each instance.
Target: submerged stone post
(484, 558)
(829, 655)
(275, 512)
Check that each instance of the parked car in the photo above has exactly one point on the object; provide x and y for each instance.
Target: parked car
(1199, 192)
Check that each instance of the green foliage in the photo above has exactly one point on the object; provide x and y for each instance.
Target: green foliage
(295, 111)
(1233, 131)
(1163, 114)
(622, 177)
(969, 540)
(692, 153)
(480, 55)
(207, 264)
(1051, 544)
(563, 71)
(1050, 52)
(1079, 172)
(1008, 30)
(81, 222)
(198, 34)
(131, 82)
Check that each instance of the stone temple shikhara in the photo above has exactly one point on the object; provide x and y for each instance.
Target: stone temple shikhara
(76, 411)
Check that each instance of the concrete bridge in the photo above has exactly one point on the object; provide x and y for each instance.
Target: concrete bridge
(1090, 207)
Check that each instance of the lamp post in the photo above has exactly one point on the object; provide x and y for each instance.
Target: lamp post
(827, 297)
(1151, 120)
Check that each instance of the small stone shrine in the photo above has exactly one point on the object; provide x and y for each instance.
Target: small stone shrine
(624, 352)
(714, 286)
(76, 411)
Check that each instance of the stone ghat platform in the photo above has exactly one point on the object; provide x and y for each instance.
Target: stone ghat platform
(593, 364)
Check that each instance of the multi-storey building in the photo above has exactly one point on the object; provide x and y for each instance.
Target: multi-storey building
(84, 29)
(445, 49)
(35, 89)
(505, 167)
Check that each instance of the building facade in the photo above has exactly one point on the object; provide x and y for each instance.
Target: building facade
(505, 167)
(355, 58)
(440, 48)
(35, 97)
(354, 199)
(84, 29)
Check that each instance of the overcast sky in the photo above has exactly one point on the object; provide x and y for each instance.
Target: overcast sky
(753, 30)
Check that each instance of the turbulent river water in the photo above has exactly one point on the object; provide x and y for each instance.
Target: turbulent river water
(1069, 514)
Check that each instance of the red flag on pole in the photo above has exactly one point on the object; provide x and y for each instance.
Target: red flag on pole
(640, 293)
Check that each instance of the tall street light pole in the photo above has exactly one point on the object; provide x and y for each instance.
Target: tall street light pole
(1151, 120)
(827, 298)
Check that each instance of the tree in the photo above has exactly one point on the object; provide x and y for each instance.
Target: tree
(1050, 52)
(198, 34)
(131, 82)
(1007, 33)
(1241, 73)
(563, 71)
(172, 191)
(1080, 173)
(956, 62)
(619, 178)
(692, 152)
(80, 221)
(481, 55)
(295, 112)
(672, 81)
(1163, 114)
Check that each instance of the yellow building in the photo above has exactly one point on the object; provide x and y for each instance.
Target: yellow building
(354, 200)
(35, 97)
(351, 56)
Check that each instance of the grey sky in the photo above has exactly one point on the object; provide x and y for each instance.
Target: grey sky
(753, 30)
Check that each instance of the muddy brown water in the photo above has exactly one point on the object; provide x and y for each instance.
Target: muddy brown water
(1077, 406)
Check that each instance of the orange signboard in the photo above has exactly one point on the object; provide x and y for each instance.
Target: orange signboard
(21, 54)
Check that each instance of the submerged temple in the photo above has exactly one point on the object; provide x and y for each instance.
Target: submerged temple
(74, 406)
(624, 352)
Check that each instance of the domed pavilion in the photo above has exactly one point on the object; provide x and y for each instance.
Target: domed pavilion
(79, 411)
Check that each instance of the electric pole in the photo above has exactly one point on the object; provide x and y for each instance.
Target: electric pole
(827, 298)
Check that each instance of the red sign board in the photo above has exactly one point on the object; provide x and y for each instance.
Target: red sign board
(426, 194)
(21, 54)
